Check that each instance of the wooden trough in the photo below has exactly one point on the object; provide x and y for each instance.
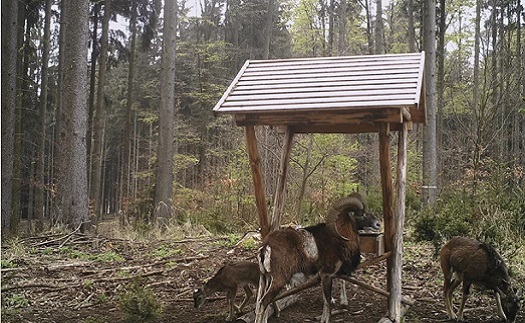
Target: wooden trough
(355, 94)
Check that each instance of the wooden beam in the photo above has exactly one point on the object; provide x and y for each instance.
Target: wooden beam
(386, 184)
(258, 184)
(343, 128)
(374, 289)
(350, 116)
(374, 260)
(281, 180)
(394, 301)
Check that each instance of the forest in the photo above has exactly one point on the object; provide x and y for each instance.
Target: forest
(109, 137)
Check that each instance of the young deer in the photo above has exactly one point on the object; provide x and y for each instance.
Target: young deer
(228, 279)
(472, 262)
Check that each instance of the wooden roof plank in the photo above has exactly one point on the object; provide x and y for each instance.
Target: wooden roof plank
(321, 94)
(360, 78)
(259, 71)
(369, 58)
(313, 106)
(314, 87)
(329, 99)
(309, 74)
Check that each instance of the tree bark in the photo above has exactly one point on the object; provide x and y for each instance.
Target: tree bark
(411, 28)
(126, 162)
(164, 176)
(9, 58)
(40, 180)
(100, 114)
(343, 44)
(268, 30)
(72, 189)
(429, 135)
(379, 29)
(441, 76)
(92, 85)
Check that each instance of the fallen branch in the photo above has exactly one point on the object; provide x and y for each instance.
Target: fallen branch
(380, 291)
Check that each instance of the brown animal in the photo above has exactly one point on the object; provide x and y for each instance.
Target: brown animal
(325, 249)
(472, 262)
(228, 279)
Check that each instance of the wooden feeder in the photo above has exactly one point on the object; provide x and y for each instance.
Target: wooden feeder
(357, 94)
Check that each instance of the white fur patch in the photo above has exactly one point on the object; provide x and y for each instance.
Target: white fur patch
(309, 245)
(297, 279)
(267, 250)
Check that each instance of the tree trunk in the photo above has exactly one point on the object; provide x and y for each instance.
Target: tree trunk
(9, 58)
(268, 30)
(40, 180)
(429, 135)
(370, 39)
(24, 41)
(305, 175)
(92, 85)
(475, 92)
(126, 162)
(441, 76)
(164, 179)
(411, 28)
(72, 189)
(100, 114)
(343, 44)
(379, 29)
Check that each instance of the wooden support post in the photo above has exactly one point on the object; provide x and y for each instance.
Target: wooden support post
(281, 180)
(258, 184)
(386, 184)
(394, 301)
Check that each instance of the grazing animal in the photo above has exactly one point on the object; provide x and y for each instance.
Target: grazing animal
(369, 222)
(325, 249)
(228, 279)
(472, 262)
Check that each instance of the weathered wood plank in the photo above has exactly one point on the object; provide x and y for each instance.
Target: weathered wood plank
(351, 84)
(336, 106)
(391, 67)
(394, 301)
(258, 183)
(324, 93)
(386, 184)
(294, 118)
(319, 87)
(331, 74)
(361, 58)
(361, 78)
(281, 181)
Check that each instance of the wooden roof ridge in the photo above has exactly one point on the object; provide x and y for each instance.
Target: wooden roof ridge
(322, 93)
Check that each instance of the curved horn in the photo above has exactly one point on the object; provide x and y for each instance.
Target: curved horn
(343, 205)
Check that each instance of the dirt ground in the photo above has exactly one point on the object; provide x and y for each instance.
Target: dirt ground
(80, 278)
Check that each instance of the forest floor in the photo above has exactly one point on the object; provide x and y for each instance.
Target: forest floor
(73, 277)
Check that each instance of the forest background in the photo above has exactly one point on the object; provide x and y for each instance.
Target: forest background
(479, 115)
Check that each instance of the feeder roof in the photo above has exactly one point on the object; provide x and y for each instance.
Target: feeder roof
(328, 94)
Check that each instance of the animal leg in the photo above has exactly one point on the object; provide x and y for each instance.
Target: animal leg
(326, 285)
(230, 295)
(247, 296)
(343, 300)
(451, 283)
(466, 292)
(500, 308)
